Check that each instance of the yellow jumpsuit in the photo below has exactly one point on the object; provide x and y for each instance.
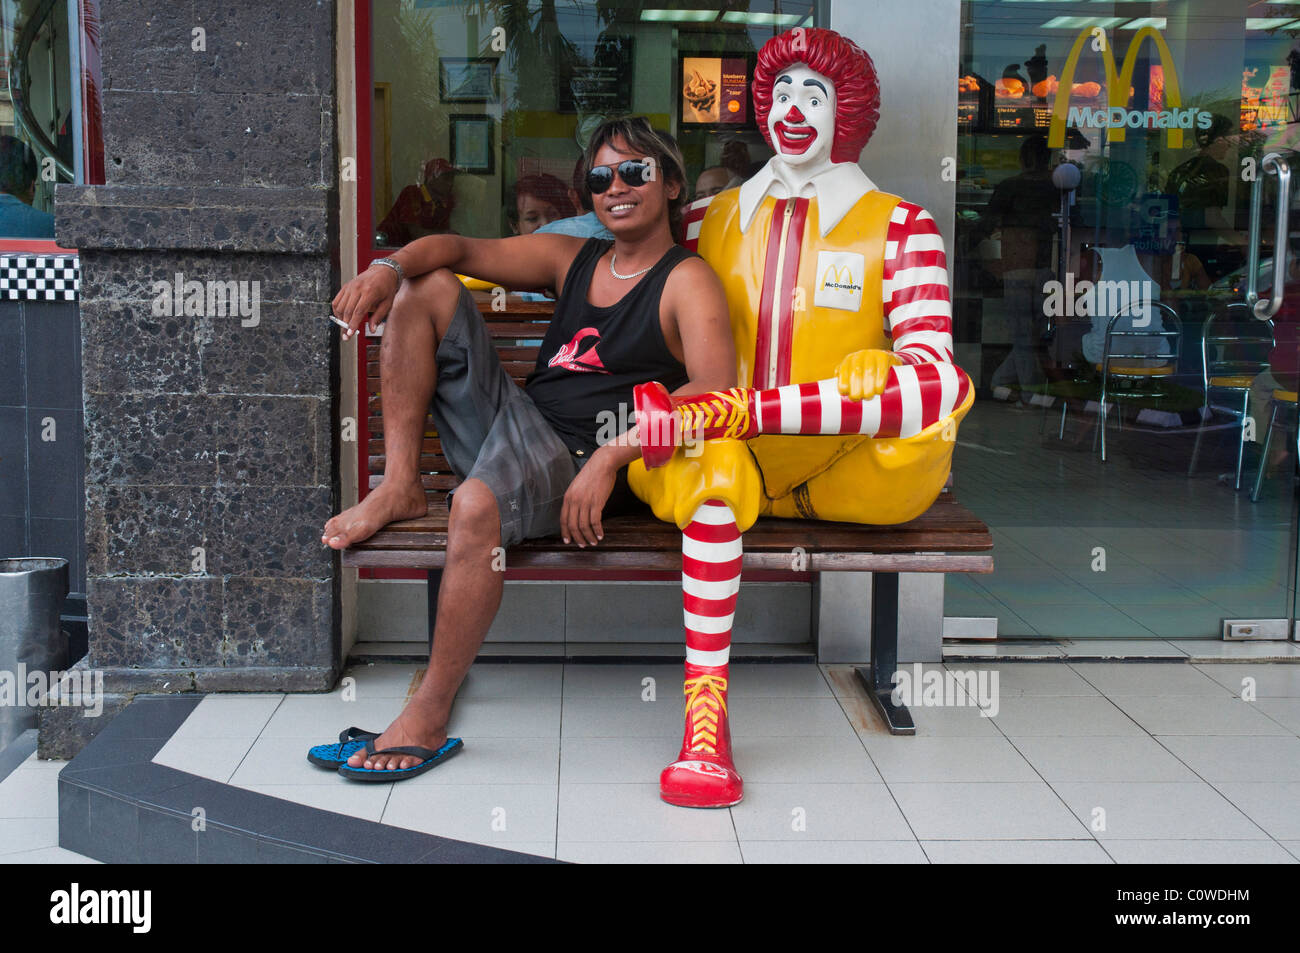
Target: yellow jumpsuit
(785, 333)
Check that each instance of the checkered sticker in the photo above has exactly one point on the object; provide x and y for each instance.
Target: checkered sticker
(39, 277)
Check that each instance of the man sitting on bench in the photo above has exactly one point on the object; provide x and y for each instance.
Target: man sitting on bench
(636, 309)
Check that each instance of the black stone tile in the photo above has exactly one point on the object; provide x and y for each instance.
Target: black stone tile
(109, 277)
(270, 852)
(54, 448)
(286, 352)
(165, 622)
(13, 375)
(150, 439)
(129, 349)
(462, 852)
(218, 845)
(268, 441)
(154, 530)
(273, 531)
(276, 622)
(167, 839)
(136, 779)
(74, 816)
(145, 25)
(114, 835)
(167, 138)
(13, 461)
(242, 60)
(345, 836)
(56, 538)
(53, 374)
(13, 536)
(283, 146)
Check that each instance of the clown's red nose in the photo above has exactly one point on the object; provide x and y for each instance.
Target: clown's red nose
(794, 115)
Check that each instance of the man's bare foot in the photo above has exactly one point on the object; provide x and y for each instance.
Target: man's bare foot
(384, 504)
(406, 729)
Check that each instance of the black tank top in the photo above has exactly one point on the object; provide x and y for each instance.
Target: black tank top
(592, 357)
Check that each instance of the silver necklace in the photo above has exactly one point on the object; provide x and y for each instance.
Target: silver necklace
(636, 274)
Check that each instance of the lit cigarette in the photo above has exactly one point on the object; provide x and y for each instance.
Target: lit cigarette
(341, 323)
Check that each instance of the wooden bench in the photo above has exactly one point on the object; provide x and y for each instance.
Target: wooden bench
(946, 538)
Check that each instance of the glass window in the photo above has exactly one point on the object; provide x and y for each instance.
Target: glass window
(481, 110)
(49, 64)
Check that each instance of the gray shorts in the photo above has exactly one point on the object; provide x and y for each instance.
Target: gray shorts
(492, 431)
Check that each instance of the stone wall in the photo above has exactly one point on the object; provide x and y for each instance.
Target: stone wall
(210, 438)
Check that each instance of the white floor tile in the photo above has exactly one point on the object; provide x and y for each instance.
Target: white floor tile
(1069, 716)
(1271, 805)
(777, 681)
(496, 814)
(633, 760)
(1197, 852)
(215, 758)
(634, 812)
(821, 759)
(505, 717)
(902, 758)
(627, 682)
(366, 801)
(832, 852)
(229, 716)
(320, 718)
(818, 812)
(498, 761)
(1231, 758)
(1102, 758)
(28, 833)
(648, 853)
(1015, 852)
(788, 718)
(986, 811)
(1156, 811)
(1269, 679)
(1197, 715)
(1007, 650)
(47, 855)
(1029, 678)
(29, 793)
(623, 717)
(1285, 711)
(277, 761)
(1147, 678)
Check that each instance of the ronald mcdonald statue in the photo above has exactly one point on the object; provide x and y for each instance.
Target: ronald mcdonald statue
(849, 398)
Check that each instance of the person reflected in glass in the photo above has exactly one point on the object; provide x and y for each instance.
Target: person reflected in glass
(1022, 209)
(423, 208)
(1201, 183)
(539, 199)
(18, 219)
(712, 181)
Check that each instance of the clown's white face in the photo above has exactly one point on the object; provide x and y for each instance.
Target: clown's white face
(802, 119)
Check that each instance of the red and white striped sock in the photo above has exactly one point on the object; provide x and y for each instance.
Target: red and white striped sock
(711, 556)
(915, 396)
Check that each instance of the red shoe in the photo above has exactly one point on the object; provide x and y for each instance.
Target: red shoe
(663, 422)
(703, 774)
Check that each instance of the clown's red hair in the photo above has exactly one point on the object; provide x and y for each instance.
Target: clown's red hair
(857, 91)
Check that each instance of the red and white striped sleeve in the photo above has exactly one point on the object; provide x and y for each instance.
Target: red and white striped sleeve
(917, 304)
(692, 218)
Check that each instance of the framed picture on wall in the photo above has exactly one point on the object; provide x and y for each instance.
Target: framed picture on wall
(471, 144)
(467, 79)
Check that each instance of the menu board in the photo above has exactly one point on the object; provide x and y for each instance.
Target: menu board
(714, 90)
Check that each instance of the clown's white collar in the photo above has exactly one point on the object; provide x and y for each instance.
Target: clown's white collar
(837, 190)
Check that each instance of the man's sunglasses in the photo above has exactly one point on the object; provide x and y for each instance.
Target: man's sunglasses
(634, 173)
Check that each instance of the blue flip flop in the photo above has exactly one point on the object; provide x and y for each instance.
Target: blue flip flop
(351, 740)
(430, 759)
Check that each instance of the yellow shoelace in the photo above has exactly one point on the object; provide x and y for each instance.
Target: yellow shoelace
(706, 694)
(728, 409)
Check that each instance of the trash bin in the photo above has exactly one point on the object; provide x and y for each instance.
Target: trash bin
(32, 590)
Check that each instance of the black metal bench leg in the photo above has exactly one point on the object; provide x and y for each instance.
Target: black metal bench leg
(435, 583)
(884, 654)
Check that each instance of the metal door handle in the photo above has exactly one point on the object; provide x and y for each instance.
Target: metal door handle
(1259, 307)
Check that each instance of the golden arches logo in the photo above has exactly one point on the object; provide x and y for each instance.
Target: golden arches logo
(1117, 84)
(837, 276)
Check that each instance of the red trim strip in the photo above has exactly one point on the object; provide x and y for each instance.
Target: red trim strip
(789, 280)
(762, 353)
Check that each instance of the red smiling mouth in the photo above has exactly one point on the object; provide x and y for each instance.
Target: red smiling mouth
(795, 139)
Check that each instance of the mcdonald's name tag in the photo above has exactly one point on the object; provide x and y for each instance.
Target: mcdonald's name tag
(839, 280)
